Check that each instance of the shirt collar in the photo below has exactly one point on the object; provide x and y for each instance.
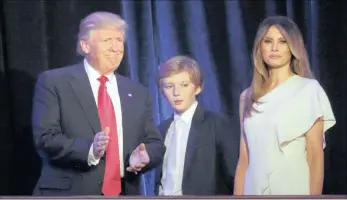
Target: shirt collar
(187, 115)
(93, 74)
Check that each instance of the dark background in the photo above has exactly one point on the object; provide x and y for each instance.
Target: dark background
(40, 35)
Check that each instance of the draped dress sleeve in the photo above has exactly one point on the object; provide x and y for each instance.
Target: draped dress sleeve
(299, 116)
(291, 173)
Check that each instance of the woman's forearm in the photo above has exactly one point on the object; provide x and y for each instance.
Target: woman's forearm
(239, 180)
(316, 167)
(315, 156)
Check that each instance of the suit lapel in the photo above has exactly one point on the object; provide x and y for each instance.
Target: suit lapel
(84, 94)
(191, 148)
(164, 128)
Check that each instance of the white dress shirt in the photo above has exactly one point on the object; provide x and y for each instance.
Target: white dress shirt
(176, 142)
(112, 90)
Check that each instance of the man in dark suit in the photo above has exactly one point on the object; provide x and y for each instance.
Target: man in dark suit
(92, 127)
(202, 150)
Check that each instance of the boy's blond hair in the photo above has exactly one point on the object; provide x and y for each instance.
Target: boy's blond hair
(180, 64)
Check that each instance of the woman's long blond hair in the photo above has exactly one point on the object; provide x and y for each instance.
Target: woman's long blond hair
(299, 62)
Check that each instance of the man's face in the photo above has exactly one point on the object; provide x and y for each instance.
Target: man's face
(104, 49)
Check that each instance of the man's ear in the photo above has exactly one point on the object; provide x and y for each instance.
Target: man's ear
(85, 46)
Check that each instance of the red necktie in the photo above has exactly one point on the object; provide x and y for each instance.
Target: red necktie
(112, 181)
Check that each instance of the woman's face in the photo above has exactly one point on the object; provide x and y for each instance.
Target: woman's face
(274, 49)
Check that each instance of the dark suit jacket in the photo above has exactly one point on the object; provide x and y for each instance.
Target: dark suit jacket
(211, 154)
(65, 120)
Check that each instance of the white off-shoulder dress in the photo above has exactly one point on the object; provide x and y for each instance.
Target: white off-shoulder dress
(276, 137)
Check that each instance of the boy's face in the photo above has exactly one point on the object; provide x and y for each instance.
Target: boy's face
(180, 91)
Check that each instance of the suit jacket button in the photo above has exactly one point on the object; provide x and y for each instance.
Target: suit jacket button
(100, 182)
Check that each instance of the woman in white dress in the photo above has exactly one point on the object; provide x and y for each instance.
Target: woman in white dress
(284, 115)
